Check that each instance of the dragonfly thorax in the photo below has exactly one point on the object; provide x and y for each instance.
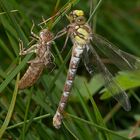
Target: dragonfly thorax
(83, 39)
(45, 35)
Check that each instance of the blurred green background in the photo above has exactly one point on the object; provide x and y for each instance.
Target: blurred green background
(89, 114)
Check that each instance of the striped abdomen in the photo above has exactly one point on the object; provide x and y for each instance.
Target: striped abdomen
(31, 75)
(74, 62)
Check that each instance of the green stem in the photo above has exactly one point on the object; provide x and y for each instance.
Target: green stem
(94, 11)
(10, 110)
(26, 114)
(97, 126)
(70, 132)
(27, 121)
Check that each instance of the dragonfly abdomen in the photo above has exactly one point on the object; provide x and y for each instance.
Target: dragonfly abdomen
(74, 62)
(31, 75)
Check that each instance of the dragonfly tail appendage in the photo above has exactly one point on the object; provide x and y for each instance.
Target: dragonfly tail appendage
(75, 59)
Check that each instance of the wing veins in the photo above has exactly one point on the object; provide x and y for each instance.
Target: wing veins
(128, 61)
(116, 91)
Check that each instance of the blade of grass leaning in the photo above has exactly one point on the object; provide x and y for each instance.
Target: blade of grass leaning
(12, 11)
(92, 6)
(112, 112)
(21, 11)
(84, 131)
(6, 6)
(97, 126)
(61, 13)
(22, 135)
(84, 105)
(14, 73)
(59, 71)
(135, 96)
(13, 44)
(59, 55)
(32, 118)
(88, 113)
(27, 121)
(41, 102)
(94, 11)
(98, 116)
(11, 108)
(75, 137)
(6, 50)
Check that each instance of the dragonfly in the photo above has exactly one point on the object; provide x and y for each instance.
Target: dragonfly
(86, 42)
(43, 57)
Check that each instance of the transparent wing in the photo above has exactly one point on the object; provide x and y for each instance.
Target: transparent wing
(110, 83)
(86, 59)
(123, 60)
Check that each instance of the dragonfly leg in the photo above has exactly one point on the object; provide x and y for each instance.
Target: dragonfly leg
(66, 40)
(32, 33)
(33, 39)
(33, 48)
(61, 33)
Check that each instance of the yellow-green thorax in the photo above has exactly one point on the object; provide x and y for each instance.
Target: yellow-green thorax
(82, 36)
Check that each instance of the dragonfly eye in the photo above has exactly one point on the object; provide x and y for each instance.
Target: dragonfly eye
(80, 20)
(76, 16)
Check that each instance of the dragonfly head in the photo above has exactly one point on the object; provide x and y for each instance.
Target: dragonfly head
(46, 35)
(77, 16)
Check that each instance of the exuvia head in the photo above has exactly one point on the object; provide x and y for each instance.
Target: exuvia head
(45, 35)
(77, 16)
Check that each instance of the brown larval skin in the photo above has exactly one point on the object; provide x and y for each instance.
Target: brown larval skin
(31, 75)
(42, 60)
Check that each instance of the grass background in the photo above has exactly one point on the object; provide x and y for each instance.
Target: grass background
(27, 114)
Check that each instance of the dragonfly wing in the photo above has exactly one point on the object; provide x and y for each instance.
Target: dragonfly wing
(87, 61)
(121, 59)
(110, 83)
(133, 60)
